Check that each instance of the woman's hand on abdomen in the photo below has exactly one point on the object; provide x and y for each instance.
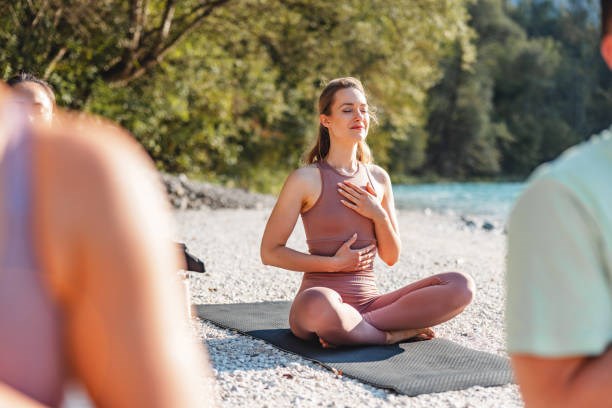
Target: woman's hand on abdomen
(354, 260)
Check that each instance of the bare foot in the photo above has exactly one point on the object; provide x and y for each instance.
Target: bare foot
(396, 336)
(326, 344)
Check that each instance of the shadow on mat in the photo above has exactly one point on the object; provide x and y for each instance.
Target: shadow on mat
(415, 368)
(285, 339)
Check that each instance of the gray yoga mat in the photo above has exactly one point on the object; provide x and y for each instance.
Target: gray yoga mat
(410, 368)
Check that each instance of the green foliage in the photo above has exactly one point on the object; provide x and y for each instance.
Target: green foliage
(226, 90)
(462, 140)
(528, 97)
(234, 100)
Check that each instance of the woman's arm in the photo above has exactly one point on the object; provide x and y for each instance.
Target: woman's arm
(387, 231)
(575, 381)
(301, 190)
(380, 210)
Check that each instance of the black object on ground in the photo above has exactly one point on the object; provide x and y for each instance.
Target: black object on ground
(194, 264)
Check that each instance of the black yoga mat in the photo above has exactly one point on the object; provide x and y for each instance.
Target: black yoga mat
(410, 368)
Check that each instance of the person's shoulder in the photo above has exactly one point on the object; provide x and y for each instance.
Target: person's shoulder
(90, 145)
(582, 162)
(94, 160)
(379, 173)
(578, 178)
(305, 174)
(307, 170)
(582, 169)
(305, 179)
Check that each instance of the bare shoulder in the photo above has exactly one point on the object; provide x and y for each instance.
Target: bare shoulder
(93, 156)
(95, 164)
(307, 173)
(379, 174)
(304, 184)
(91, 145)
(306, 177)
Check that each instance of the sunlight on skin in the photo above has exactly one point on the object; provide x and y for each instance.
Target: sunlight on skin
(39, 105)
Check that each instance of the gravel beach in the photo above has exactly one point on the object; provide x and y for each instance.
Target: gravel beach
(251, 373)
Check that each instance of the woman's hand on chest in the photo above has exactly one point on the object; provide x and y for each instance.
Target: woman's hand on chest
(365, 201)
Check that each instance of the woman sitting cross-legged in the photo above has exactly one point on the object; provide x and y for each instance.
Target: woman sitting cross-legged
(347, 209)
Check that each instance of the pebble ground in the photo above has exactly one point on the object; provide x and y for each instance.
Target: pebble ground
(251, 373)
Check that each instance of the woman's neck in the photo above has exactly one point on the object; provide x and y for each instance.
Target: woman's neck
(343, 158)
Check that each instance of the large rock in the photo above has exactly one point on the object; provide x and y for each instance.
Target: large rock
(188, 194)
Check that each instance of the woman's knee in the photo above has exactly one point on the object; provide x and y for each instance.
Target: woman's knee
(462, 286)
(318, 296)
(314, 303)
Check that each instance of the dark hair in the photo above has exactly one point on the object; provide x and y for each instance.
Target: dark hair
(24, 76)
(606, 17)
(326, 99)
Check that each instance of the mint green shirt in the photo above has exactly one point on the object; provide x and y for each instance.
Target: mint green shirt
(559, 267)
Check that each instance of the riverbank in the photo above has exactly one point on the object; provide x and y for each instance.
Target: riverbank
(184, 194)
(473, 206)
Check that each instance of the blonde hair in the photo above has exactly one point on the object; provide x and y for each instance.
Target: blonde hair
(326, 99)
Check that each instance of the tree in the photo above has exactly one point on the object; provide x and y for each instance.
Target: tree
(227, 89)
(462, 140)
(463, 136)
(527, 97)
(82, 41)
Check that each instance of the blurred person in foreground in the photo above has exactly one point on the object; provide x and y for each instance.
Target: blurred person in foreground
(37, 98)
(85, 288)
(37, 94)
(559, 275)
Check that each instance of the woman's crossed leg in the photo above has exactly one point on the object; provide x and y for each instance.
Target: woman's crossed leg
(424, 303)
(392, 317)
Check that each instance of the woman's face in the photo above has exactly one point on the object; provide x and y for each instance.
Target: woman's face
(39, 105)
(348, 119)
